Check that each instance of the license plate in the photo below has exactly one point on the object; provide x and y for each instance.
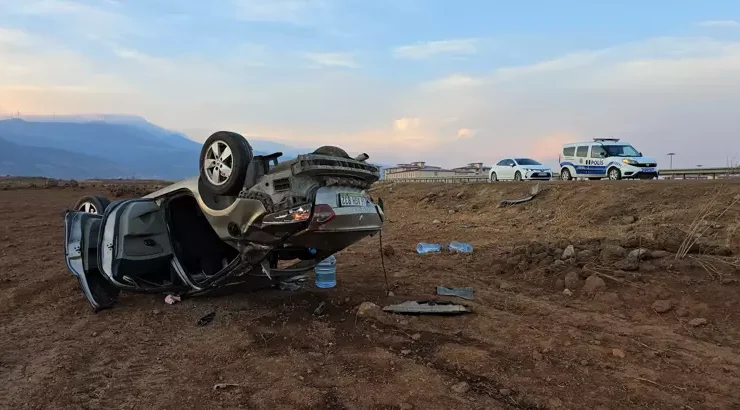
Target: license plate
(352, 200)
(648, 170)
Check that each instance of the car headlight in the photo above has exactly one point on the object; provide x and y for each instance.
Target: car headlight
(629, 161)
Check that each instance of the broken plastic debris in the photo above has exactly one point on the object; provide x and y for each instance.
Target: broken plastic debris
(424, 307)
(172, 299)
(465, 293)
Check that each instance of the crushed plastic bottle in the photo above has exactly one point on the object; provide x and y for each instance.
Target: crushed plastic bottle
(326, 273)
(424, 247)
(461, 247)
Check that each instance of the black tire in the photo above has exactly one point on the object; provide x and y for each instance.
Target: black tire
(518, 176)
(493, 177)
(94, 204)
(565, 174)
(331, 151)
(614, 174)
(240, 158)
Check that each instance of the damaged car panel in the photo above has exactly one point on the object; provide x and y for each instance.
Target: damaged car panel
(238, 219)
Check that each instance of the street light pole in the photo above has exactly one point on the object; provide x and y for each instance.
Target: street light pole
(670, 155)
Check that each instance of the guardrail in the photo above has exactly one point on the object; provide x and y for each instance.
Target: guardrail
(684, 173)
(699, 172)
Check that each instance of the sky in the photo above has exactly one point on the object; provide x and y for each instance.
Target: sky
(442, 81)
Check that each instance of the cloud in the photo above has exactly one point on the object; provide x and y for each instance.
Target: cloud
(719, 23)
(345, 60)
(465, 133)
(424, 50)
(407, 124)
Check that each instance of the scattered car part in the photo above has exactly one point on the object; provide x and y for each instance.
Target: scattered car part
(172, 299)
(424, 307)
(464, 293)
(533, 193)
(207, 319)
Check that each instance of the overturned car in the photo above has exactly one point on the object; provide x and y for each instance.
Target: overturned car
(243, 216)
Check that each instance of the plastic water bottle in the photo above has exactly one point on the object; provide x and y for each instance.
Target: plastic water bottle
(461, 247)
(424, 247)
(326, 273)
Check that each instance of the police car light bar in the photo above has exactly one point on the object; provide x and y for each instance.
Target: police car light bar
(606, 139)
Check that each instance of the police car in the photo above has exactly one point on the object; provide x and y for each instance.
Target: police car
(605, 158)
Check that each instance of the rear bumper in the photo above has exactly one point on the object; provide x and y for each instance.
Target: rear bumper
(340, 232)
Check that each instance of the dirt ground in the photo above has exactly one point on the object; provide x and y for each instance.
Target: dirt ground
(598, 330)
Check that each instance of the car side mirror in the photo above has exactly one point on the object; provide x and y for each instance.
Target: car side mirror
(513, 165)
(639, 153)
(602, 154)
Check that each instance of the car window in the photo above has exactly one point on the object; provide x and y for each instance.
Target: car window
(621, 151)
(597, 150)
(569, 151)
(501, 163)
(582, 151)
(526, 161)
(510, 162)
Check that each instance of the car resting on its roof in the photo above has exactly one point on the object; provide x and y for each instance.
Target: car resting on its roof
(242, 216)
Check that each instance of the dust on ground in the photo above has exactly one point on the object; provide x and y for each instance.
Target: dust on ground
(610, 326)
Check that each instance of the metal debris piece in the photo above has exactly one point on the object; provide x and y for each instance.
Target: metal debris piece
(293, 284)
(221, 386)
(465, 293)
(320, 309)
(533, 193)
(427, 307)
(207, 319)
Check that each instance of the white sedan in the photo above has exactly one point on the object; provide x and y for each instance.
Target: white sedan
(519, 169)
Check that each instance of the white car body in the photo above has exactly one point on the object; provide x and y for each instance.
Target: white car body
(519, 169)
(605, 158)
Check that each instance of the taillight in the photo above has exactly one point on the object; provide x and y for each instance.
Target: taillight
(322, 214)
(297, 214)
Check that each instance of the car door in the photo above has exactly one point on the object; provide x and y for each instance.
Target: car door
(136, 251)
(81, 245)
(507, 170)
(498, 168)
(126, 248)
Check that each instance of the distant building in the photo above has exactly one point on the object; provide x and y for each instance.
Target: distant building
(420, 169)
(417, 169)
(472, 169)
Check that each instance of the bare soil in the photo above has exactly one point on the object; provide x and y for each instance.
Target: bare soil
(655, 331)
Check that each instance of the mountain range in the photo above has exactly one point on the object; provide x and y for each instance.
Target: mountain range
(107, 146)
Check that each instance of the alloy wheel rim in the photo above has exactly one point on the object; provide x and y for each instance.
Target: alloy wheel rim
(218, 163)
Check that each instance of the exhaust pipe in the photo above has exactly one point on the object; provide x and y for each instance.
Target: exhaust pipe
(362, 157)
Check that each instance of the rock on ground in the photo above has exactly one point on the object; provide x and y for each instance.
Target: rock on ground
(569, 252)
(461, 388)
(663, 306)
(638, 254)
(593, 285)
(368, 309)
(572, 280)
(699, 321)
(612, 252)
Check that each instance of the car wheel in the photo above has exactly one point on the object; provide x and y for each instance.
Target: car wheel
(223, 162)
(494, 177)
(518, 176)
(92, 204)
(565, 174)
(615, 174)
